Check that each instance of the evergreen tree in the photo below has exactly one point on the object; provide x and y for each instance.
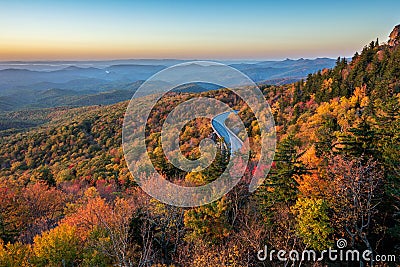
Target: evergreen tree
(388, 131)
(281, 185)
(219, 164)
(360, 141)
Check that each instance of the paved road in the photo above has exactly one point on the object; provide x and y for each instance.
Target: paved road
(231, 139)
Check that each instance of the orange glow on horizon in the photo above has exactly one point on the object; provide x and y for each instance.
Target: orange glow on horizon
(79, 51)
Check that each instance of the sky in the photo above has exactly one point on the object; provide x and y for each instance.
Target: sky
(254, 30)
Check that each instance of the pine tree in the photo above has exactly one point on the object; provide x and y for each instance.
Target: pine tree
(388, 131)
(281, 185)
(360, 141)
(217, 167)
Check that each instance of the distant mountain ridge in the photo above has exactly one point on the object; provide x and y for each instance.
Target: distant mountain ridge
(23, 84)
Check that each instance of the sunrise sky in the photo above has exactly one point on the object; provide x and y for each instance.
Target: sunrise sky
(80, 30)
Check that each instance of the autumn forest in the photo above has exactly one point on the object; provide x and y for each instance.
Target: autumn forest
(67, 197)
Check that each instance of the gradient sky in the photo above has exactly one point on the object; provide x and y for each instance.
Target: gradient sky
(82, 29)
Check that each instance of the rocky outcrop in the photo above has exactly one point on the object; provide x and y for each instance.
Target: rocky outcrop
(394, 37)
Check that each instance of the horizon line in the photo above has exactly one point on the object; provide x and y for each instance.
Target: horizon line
(166, 59)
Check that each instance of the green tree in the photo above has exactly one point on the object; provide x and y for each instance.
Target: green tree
(281, 185)
(388, 132)
(44, 174)
(360, 141)
(312, 222)
(208, 223)
(57, 247)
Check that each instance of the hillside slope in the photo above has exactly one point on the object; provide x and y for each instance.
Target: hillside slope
(335, 175)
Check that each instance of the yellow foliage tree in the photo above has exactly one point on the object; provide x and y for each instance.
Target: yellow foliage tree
(14, 255)
(208, 222)
(312, 222)
(57, 247)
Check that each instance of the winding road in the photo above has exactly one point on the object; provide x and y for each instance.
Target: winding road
(230, 138)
